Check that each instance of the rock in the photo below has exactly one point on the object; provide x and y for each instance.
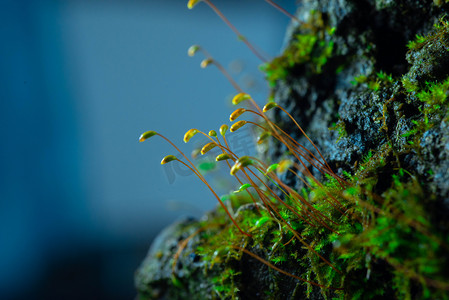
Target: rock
(359, 68)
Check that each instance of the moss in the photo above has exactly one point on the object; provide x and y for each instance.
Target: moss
(433, 108)
(369, 234)
(312, 48)
(374, 82)
(340, 128)
(372, 235)
(429, 56)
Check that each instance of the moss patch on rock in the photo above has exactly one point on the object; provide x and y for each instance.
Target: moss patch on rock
(377, 74)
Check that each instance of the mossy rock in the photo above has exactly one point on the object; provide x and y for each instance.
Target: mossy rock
(368, 81)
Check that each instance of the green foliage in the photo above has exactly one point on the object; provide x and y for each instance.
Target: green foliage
(434, 96)
(434, 107)
(408, 85)
(340, 127)
(374, 82)
(384, 77)
(313, 48)
(417, 43)
(441, 28)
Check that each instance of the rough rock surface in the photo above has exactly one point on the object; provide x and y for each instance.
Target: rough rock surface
(367, 115)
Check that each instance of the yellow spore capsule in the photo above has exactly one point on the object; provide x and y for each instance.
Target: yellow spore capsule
(192, 3)
(189, 134)
(235, 168)
(167, 159)
(240, 97)
(237, 125)
(263, 136)
(223, 129)
(146, 135)
(223, 156)
(237, 113)
(284, 165)
(269, 106)
(206, 62)
(193, 49)
(208, 147)
(242, 162)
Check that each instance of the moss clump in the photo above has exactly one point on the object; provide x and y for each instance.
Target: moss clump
(429, 56)
(374, 82)
(428, 53)
(312, 49)
(377, 230)
(441, 29)
(376, 242)
(433, 109)
(340, 128)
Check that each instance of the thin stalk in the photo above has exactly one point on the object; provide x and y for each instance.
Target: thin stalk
(308, 171)
(222, 70)
(284, 11)
(325, 170)
(238, 179)
(205, 182)
(265, 262)
(294, 210)
(307, 137)
(297, 235)
(239, 35)
(219, 200)
(256, 188)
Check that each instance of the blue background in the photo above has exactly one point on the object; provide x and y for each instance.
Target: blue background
(80, 198)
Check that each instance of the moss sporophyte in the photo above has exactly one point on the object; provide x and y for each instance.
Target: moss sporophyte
(336, 224)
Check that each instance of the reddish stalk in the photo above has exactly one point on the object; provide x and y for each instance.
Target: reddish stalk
(307, 137)
(297, 175)
(274, 127)
(308, 173)
(308, 157)
(219, 200)
(296, 234)
(301, 203)
(221, 69)
(238, 179)
(239, 35)
(205, 182)
(324, 169)
(291, 208)
(284, 11)
(280, 270)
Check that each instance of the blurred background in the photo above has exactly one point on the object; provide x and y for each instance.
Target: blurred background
(80, 199)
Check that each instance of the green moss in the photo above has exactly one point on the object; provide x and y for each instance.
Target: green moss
(433, 108)
(374, 82)
(313, 48)
(372, 236)
(434, 96)
(395, 230)
(430, 97)
(408, 85)
(417, 43)
(440, 29)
